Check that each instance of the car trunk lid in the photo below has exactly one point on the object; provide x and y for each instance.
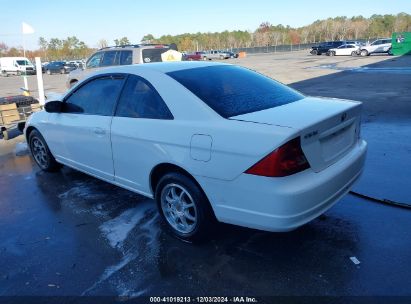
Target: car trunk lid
(328, 127)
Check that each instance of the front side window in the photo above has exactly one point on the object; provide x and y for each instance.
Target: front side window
(126, 57)
(22, 62)
(96, 97)
(140, 100)
(94, 61)
(233, 90)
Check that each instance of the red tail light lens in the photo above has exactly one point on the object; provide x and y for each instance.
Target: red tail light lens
(286, 160)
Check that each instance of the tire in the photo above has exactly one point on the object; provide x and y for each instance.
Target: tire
(41, 153)
(364, 53)
(72, 83)
(48, 72)
(390, 52)
(353, 53)
(5, 135)
(222, 58)
(204, 58)
(313, 52)
(18, 73)
(62, 71)
(332, 53)
(184, 208)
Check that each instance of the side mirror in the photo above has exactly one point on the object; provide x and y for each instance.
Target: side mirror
(53, 106)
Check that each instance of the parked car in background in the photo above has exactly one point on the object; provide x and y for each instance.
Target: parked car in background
(211, 55)
(207, 141)
(324, 47)
(194, 56)
(233, 55)
(344, 50)
(382, 45)
(59, 67)
(16, 66)
(120, 55)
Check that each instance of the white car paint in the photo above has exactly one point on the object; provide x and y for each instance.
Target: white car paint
(218, 151)
(344, 50)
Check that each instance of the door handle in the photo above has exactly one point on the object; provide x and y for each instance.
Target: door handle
(99, 131)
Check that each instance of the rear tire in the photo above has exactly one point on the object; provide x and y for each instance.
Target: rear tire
(48, 72)
(332, 53)
(41, 153)
(184, 208)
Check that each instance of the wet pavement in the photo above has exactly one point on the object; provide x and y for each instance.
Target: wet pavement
(69, 234)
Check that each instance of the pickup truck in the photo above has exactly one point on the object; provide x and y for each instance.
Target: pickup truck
(210, 55)
(194, 56)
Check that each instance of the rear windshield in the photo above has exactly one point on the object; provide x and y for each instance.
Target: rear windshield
(153, 55)
(233, 90)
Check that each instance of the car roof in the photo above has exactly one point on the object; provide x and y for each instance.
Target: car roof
(162, 67)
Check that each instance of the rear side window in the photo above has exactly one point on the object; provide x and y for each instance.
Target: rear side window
(96, 97)
(232, 90)
(140, 100)
(153, 55)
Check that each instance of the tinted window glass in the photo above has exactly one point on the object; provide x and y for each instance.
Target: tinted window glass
(153, 55)
(233, 90)
(96, 97)
(126, 57)
(109, 58)
(140, 100)
(94, 61)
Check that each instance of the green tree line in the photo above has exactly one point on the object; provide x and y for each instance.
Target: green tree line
(338, 28)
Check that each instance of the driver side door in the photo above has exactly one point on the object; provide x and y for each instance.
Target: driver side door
(82, 130)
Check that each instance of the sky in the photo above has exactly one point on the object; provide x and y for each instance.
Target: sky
(92, 20)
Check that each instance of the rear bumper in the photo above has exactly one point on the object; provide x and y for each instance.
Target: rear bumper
(283, 204)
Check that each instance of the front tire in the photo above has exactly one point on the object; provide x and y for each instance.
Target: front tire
(184, 207)
(364, 53)
(41, 153)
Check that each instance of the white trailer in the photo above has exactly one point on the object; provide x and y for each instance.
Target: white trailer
(16, 65)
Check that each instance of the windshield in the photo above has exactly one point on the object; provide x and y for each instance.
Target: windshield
(232, 90)
(23, 62)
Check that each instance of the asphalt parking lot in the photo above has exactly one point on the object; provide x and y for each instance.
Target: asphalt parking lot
(69, 234)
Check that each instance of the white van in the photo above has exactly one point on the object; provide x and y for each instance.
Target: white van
(16, 65)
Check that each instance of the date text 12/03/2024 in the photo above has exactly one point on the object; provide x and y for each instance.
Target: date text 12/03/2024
(203, 300)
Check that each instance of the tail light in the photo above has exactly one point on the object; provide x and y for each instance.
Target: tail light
(285, 160)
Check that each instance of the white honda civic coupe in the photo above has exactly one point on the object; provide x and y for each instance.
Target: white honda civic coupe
(208, 141)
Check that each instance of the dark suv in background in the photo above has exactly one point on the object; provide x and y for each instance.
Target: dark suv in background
(323, 47)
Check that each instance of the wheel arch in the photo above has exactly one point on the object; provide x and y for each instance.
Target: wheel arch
(28, 131)
(161, 169)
